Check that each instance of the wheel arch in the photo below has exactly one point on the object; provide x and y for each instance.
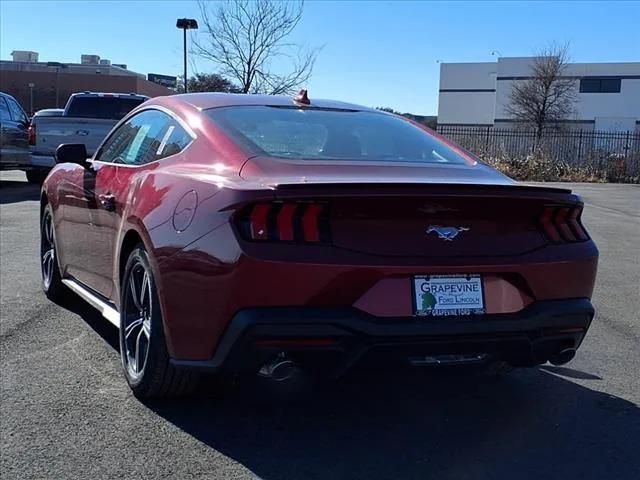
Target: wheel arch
(44, 200)
(136, 234)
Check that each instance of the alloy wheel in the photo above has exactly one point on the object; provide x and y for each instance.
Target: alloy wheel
(136, 321)
(48, 251)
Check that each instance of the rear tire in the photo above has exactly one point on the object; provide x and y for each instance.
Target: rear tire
(143, 349)
(52, 285)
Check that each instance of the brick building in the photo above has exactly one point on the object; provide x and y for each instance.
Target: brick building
(38, 85)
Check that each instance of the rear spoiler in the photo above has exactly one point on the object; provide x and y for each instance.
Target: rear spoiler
(315, 191)
(405, 189)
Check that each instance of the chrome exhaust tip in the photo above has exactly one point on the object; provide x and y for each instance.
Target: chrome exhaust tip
(563, 357)
(280, 368)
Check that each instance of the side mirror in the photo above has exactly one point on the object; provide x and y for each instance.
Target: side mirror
(72, 153)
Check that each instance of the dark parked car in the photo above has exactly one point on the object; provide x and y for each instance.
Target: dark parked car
(14, 135)
(247, 233)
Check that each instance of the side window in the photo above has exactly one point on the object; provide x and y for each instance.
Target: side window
(146, 137)
(137, 140)
(4, 110)
(17, 113)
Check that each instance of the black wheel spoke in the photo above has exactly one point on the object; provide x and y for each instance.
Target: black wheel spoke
(134, 290)
(143, 289)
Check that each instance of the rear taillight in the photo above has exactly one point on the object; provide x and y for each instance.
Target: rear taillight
(563, 224)
(299, 222)
(32, 134)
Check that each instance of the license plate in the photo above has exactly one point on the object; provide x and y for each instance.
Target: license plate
(443, 295)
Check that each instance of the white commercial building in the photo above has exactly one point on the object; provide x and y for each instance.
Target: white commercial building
(608, 94)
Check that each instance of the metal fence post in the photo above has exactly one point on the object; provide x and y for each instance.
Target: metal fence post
(579, 159)
(626, 145)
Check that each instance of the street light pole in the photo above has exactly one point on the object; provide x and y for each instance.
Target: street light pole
(186, 24)
(31, 85)
(184, 58)
(58, 66)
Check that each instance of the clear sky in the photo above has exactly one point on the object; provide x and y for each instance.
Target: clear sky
(374, 53)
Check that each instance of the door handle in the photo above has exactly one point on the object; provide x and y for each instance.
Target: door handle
(108, 201)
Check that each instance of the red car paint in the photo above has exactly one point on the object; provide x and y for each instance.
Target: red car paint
(185, 208)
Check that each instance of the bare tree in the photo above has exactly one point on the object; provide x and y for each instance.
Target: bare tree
(547, 96)
(245, 38)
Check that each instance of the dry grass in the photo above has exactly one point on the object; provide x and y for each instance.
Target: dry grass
(541, 169)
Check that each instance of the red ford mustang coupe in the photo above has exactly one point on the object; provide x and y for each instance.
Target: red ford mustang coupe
(242, 233)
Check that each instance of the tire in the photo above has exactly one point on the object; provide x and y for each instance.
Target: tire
(143, 348)
(52, 285)
(36, 176)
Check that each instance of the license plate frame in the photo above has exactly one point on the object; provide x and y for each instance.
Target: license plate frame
(458, 295)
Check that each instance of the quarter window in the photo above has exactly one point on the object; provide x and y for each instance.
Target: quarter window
(600, 85)
(146, 137)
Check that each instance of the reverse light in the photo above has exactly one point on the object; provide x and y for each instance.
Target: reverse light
(563, 224)
(300, 222)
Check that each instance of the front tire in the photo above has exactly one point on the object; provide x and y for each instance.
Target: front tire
(143, 349)
(52, 285)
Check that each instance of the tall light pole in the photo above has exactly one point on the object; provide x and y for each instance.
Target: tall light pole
(31, 85)
(58, 66)
(186, 24)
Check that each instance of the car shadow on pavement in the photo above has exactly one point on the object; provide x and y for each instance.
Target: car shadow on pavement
(533, 424)
(14, 191)
(93, 319)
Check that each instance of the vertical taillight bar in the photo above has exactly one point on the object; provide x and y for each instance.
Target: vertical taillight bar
(258, 222)
(576, 225)
(285, 222)
(311, 223)
(561, 218)
(546, 221)
(32, 134)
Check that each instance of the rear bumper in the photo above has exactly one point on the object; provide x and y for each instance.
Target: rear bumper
(336, 339)
(42, 160)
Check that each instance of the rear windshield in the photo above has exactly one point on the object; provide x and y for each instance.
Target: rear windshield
(319, 134)
(112, 108)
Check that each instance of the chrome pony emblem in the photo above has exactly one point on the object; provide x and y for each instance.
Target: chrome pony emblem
(446, 233)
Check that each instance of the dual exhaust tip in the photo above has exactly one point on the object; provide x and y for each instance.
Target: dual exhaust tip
(280, 368)
(563, 357)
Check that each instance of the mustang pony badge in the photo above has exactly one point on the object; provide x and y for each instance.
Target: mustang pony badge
(446, 233)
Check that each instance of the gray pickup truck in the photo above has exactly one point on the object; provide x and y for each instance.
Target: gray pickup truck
(87, 118)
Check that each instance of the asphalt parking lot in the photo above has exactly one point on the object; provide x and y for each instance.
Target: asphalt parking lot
(66, 411)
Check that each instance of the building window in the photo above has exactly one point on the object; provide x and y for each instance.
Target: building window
(600, 85)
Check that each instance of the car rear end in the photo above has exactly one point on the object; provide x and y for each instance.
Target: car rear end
(337, 271)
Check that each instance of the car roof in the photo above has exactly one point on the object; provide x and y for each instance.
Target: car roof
(204, 101)
(109, 94)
